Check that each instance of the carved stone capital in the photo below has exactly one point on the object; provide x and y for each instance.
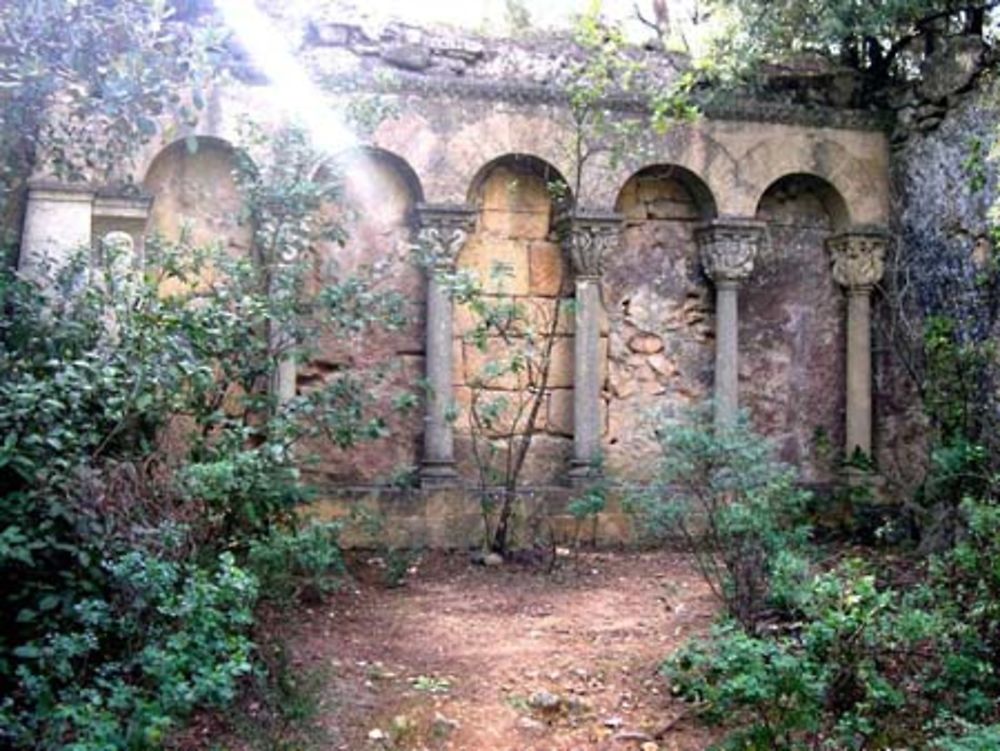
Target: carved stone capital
(729, 248)
(858, 258)
(589, 236)
(444, 228)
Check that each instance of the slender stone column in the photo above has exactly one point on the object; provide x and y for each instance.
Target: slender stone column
(57, 223)
(443, 231)
(589, 236)
(728, 249)
(858, 264)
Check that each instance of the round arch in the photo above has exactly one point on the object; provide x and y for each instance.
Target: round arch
(358, 155)
(830, 198)
(696, 189)
(191, 145)
(558, 186)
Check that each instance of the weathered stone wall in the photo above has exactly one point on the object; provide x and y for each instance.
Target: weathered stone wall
(516, 256)
(483, 124)
(195, 191)
(661, 315)
(376, 214)
(944, 186)
(793, 339)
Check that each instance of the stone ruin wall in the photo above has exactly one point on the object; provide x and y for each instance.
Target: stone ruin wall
(461, 132)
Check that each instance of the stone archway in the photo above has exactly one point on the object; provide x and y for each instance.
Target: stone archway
(659, 306)
(792, 339)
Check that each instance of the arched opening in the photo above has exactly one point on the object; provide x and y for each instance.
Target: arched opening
(193, 188)
(373, 212)
(792, 327)
(659, 307)
(803, 200)
(665, 192)
(517, 258)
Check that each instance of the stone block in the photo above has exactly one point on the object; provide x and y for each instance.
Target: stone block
(673, 210)
(548, 460)
(515, 225)
(645, 343)
(513, 190)
(500, 265)
(662, 365)
(559, 412)
(561, 365)
(407, 56)
(621, 383)
(547, 268)
(539, 313)
(561, 368)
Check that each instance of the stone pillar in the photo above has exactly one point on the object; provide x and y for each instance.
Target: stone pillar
(57, 223)
(284, 379)
(443, 231)
(858, 263)
(588, 236)
(728, 249)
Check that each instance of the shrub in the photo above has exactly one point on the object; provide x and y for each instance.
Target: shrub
(864, 665)
(304, 562)
(85, 687)
(141, 439)
(736, 509)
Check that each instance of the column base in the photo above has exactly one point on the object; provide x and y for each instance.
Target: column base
(583, 473)
(438, 474)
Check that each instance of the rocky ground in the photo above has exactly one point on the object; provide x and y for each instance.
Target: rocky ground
(506, 657)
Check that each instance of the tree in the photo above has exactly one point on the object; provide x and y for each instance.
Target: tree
(82, 83)
(870, 38)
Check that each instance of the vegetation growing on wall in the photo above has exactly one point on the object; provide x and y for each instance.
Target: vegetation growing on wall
(882, 42)
(112, 71)
(148, 468)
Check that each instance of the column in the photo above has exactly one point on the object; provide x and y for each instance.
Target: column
(858, 259)
(589, 235)
(57, 224)
(443, 231)
(728, 250)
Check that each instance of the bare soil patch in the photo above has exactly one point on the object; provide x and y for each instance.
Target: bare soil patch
(509, 658)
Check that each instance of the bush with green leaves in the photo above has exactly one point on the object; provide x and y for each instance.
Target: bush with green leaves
(866, 666)
(81, 687)
(139, 424)
(301, 563)
(818, 656)
(739, 512)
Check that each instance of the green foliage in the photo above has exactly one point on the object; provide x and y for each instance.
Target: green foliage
(112, 69)
(864, 667)
(862, 664)
(609, 68)
(588, 505)
(737, 510)
(78, 688)
(974, 165)
(140, 425)
(878, 40)
(953, 371)
(303, 563)
(956, 397)
(517, 341)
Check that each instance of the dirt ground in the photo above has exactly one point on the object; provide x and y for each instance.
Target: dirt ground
(507, 658)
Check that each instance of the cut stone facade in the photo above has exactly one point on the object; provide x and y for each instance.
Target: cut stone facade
(460, 133)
